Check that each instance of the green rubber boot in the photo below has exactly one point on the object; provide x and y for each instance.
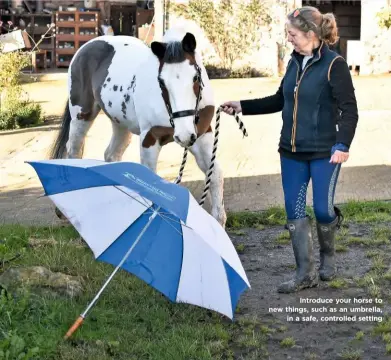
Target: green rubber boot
(306, 276)
(326, 236)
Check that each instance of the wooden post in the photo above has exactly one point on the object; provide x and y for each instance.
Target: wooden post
(159, 14)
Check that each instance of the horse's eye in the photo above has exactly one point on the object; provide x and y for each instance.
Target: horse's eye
(195, 78)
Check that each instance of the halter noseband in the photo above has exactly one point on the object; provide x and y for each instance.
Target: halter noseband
(183, 113)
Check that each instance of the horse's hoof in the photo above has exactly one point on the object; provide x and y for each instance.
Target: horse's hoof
(221, 217)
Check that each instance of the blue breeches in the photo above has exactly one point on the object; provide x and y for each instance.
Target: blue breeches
(295, 179)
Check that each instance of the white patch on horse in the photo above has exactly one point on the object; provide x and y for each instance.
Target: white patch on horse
(150, 155)
(77, 132)
(119, 142)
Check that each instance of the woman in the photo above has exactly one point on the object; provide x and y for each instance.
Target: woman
(320, 115)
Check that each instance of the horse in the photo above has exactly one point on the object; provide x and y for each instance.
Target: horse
(161, 93)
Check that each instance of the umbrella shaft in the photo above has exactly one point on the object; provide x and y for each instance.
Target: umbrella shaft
(155, 212)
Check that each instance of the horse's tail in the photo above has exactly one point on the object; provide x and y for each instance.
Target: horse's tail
(58, 150)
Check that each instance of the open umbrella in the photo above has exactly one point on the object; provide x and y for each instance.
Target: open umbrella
(135, 220)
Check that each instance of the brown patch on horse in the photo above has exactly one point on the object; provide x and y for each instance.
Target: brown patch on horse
(196, 88)
(163, 134)
(84, 115)
(166, 139)
(190, 57)
(149, 140)
(206, 116)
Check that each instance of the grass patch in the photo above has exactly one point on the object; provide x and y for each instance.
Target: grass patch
(240, 248)
(310, 356)
(252, 340)
(283, 238)
(338, 283)
(371, 283)
(383, 329)
(351, 355)
(341, 248)
(341, 235)
(282, 328)
(372, 253)
(353, 211)
(352, 240)
(378, 265)
(272, 216)
(260, 227)
(267, 330)
(381, 236)
(288, 342)
(238, 232)
(378, 237)
(382, 232)
(369, 279)
(367, 212)
(375, 291)
(387, 338)
(376, 281)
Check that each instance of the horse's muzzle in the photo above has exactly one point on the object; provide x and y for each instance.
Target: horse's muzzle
(190, 142)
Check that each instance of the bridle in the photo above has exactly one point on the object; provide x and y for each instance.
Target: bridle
(178, 114)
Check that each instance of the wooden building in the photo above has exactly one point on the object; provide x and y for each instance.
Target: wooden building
(75, 22)
(348, 15)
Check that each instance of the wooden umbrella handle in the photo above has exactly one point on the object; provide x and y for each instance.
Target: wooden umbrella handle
(74, 327)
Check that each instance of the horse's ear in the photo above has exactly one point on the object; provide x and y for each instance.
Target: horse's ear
(189, 43)
(158, 49)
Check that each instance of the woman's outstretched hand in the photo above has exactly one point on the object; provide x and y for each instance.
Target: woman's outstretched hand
(229, 107)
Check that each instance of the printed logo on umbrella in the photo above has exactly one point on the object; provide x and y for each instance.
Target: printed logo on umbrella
(149, 187)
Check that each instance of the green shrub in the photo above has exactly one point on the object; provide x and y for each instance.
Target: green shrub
(384, 18)
(16, 111)
(231, 26)
(24, 114)
(216, 72)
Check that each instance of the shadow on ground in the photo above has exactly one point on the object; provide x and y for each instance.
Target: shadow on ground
(51, 123)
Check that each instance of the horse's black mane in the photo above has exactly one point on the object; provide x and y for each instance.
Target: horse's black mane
(174, 52)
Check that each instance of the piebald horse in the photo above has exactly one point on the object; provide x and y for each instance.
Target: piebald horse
(161, 93)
